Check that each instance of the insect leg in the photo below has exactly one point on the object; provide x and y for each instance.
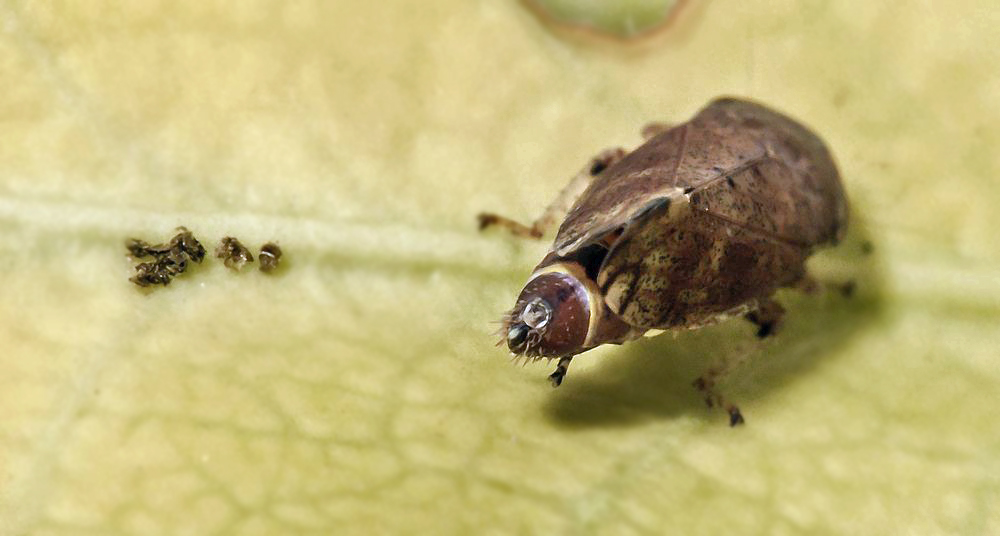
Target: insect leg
(650, 130)
(557, 377)
(558, 209)
(811, 286)
(767, 317)
(516, 228)
(706, 384)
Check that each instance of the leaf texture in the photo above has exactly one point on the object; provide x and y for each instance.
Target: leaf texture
(357, 390)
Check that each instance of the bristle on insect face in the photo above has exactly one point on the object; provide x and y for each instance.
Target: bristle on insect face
(504, 322)
(505, 319)
(523, 360)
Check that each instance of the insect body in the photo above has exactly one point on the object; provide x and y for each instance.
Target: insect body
(705, 220)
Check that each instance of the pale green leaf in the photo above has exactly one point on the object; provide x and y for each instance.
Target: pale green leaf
(358, 390)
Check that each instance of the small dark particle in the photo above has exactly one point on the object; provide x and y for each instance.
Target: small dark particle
(270, 255)
(233, 254)
(169, 260)
(186, 243)
(730, 181)
(150, 273)
(867, 247)
(138, 249)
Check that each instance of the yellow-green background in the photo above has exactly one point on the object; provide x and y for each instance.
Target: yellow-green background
(359, 391)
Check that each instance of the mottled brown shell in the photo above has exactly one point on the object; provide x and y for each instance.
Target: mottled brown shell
(716, 213)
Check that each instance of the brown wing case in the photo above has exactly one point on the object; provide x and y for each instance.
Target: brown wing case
(791, 188)
(682, 267)
(745, 196)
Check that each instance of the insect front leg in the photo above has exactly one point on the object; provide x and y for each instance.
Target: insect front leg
(557, 377)
(558, 209)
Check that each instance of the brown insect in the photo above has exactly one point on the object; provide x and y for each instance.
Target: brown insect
(704, 221)
(270, 255)
(233, 253)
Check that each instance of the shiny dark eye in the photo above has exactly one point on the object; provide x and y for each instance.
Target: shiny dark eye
(517, 335)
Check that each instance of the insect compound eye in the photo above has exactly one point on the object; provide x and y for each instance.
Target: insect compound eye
(554, 312)
(536, 314)
(517, 336)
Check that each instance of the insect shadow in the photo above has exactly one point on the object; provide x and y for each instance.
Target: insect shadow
(652, 378)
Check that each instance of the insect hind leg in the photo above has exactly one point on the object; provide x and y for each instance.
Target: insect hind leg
(557, 210)
(651, 130)
(713, 398)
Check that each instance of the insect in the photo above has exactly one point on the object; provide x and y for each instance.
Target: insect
(704, 221)
(233, 253)
(270, 255)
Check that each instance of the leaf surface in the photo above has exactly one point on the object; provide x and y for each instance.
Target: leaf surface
(358, 391)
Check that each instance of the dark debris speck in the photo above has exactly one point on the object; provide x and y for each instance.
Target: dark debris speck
(270, 255)
(233, 254)
(168, 260)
